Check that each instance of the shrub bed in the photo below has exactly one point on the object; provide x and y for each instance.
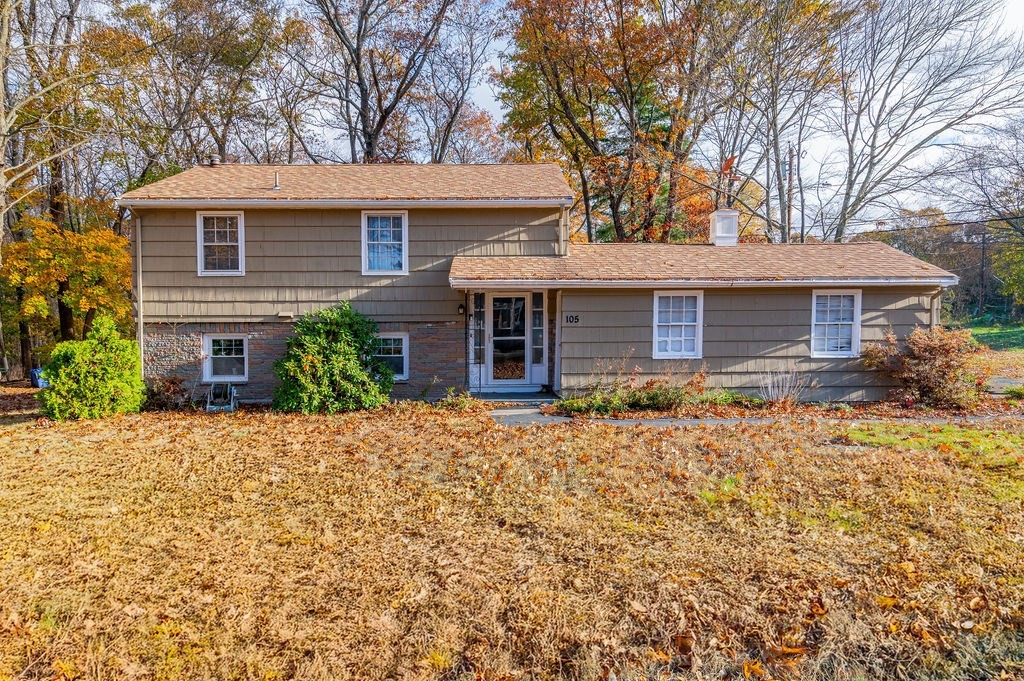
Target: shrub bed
(654, 395)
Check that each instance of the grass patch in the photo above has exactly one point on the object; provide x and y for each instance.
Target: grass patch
(424, 543)
(998, 455)
(1000, 337)
(1015, 392)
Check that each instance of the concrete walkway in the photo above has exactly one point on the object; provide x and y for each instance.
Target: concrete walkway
(525, 416)
(997, 385)
(532, 416)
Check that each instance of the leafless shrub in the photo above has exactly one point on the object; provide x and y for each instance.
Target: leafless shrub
(168, 394)
(782, 387)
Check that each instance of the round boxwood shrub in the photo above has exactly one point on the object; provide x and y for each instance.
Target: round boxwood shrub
(330, 366)
(92, 378)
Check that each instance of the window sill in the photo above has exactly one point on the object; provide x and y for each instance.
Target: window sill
(226, 379)
(832, 355)
(677, 356)
(393, 273)
(221, 274)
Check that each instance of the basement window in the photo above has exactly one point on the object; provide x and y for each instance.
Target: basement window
(225, 357)
(835, 323)
(393, 350)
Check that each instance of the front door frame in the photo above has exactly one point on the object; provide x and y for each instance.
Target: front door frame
(485, 372)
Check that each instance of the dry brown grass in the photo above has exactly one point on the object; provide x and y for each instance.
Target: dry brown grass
(413, 543)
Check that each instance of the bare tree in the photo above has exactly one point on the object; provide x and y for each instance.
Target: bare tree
(453, 68)
(911, 72)
(374, 54)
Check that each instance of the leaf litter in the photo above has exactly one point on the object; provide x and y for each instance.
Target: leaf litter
(421, 543)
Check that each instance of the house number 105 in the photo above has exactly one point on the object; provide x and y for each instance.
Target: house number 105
(572, 319)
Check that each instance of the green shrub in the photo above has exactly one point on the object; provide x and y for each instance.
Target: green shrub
(931, 367)
(92, 378)
(460, 401)
(330, 366)
(1015, 392)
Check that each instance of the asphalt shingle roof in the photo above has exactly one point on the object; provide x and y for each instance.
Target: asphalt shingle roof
(678, 262)
(353, 182)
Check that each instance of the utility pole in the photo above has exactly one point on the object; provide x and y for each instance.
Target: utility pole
(984, 274)
(789, 192)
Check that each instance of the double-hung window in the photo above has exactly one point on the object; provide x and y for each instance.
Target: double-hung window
(678, 318)
(385, 242)
(393, 350)
(221, 243)
(225, 357)
(835, 323)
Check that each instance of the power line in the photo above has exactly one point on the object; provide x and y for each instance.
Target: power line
(965, 223)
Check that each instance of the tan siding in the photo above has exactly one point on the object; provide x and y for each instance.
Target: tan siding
(746, 333)
(302, 260)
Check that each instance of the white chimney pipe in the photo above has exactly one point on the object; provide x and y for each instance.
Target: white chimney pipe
(725, 227)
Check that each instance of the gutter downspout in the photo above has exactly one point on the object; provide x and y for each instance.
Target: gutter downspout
(139, 336)
(934, 311)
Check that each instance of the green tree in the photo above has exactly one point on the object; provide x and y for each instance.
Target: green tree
(92, 378)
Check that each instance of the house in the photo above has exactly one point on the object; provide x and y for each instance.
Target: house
(469, 272)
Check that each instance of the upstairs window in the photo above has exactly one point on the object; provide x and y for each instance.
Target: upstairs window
(835, 324)
(393, 349)
(678, 321)
(385, 243)
(221, 244)
(225, 357)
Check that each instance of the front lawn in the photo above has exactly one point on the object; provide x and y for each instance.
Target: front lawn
(999, 337)
(419, 543)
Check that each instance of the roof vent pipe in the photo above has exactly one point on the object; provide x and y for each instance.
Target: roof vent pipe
(725, 227)
(214, 160)
(277, 181)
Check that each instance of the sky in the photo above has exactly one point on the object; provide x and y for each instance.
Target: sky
(1015, 14)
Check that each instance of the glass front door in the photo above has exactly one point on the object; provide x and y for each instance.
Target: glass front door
(508, 338)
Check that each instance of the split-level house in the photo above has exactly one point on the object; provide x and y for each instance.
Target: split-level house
(470, 274)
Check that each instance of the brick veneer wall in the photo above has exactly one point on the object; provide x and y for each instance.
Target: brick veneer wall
(436, 360)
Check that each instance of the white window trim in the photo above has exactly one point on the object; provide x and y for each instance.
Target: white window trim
(405, 352)
(208, 339)
(699, 339)
(855, 335)
(200, 268)
(405, 242)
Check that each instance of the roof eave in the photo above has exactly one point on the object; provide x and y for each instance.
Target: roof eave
(478, 284)
(199, 204)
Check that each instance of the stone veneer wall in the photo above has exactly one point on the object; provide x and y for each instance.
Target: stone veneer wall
(436, 359)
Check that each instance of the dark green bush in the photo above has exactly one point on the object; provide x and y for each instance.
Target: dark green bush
(330, 366)
(96, 377)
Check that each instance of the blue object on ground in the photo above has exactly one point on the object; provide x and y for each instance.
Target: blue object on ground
(36, 377)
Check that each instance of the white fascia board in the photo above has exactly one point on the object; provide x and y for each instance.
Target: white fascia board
(364, 204)
(512, 284)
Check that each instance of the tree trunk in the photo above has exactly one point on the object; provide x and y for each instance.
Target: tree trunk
(25, 341)
(5, 366)
(87, 322)
(65, 314)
